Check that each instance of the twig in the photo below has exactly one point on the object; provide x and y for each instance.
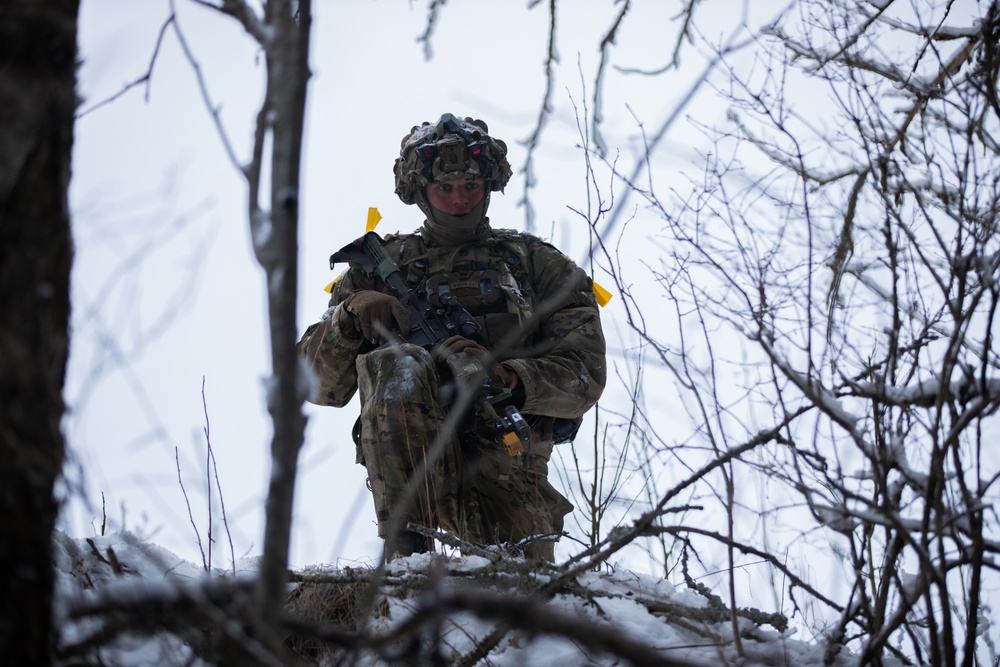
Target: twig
(213, 109)
(433, 11)
(532, 142)
(145, 78)
(187, 501)
(218, 484)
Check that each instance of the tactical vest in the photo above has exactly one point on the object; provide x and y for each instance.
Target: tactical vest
(490, 278)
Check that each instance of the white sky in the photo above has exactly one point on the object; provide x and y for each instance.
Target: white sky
(166, 290)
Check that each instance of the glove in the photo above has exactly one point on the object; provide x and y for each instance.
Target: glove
(499, 375)
(377, 314)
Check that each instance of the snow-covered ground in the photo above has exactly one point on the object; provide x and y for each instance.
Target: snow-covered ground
(603, 613)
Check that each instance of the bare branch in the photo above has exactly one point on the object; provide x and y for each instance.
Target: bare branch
(206, 97)
(551, 58)
(146, 78)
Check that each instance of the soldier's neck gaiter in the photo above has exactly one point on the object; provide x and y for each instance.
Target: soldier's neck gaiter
(446, 230)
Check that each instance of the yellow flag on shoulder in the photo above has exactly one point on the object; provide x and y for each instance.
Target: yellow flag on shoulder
(603, 295)
(373, 219)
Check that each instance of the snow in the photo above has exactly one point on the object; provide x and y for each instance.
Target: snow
(836, 518)
(122, 571)
(406, 375)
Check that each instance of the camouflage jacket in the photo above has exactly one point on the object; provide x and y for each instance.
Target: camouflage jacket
(548, 311)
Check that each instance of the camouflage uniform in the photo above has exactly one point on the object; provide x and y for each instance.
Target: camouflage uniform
(541, 321)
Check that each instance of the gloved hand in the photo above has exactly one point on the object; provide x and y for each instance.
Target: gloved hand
(500, 377)
(376, 313)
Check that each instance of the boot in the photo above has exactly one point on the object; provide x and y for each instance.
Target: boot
(406, 544)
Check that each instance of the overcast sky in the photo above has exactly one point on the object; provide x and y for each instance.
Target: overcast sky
(166, 291)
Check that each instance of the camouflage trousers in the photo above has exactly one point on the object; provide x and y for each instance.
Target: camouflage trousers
(467, 484)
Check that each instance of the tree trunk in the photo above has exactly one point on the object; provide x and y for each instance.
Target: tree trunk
(37, 102)
(288, 76)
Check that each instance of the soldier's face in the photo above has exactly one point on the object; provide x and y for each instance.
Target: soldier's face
(456, 197)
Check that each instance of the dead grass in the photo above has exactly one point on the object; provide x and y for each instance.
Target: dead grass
(327, 605)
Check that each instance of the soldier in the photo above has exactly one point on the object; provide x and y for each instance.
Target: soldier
(540, 338)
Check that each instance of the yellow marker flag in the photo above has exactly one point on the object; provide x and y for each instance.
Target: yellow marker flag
(603, 295)
(373, 219)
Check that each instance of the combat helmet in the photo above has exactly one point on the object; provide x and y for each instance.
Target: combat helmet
(450, 149)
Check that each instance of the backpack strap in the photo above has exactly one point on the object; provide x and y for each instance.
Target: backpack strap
(410, 254)
(516, 274)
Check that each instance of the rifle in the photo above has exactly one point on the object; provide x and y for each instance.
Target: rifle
(431, 325)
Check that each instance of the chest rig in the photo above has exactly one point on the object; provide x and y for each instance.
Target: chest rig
(488, 278)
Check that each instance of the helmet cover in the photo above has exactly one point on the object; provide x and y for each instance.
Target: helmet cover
(451, 149)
